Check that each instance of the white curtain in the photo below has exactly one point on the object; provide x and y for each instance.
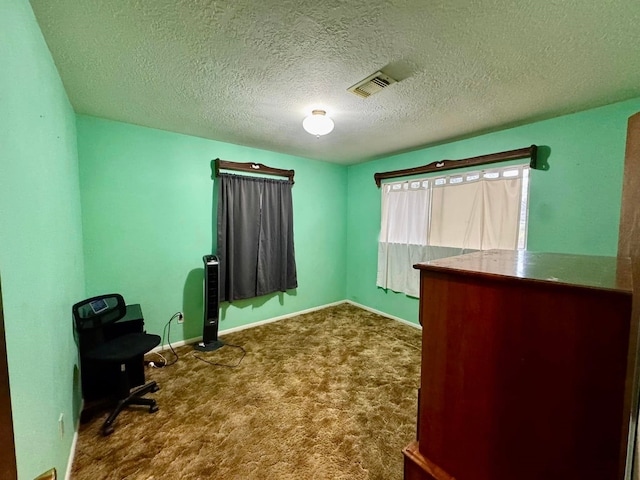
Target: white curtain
(438, 217)
(403, 234)
(477, 211)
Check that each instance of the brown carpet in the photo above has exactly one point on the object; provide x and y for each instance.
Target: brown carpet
(325, 395)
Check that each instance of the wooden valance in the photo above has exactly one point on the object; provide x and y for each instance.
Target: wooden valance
(253, 168)
(528, 152)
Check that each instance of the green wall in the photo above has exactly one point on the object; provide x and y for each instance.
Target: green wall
(574, 205)
(148, 218)
(40, 243)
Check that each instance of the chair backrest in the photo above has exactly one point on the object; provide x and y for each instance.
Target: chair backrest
(96, 312)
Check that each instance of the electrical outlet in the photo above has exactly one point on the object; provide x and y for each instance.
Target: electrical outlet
(61, 425)
(180, 317)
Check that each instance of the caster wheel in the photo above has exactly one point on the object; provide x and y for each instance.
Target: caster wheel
(106, 431)
(153, 408)
(155, 388)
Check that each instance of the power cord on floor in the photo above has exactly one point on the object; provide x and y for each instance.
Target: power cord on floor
(244, 352)
(167, 332)
(159, 364)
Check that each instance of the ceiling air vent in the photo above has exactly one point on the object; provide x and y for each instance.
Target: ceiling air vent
(372, 84)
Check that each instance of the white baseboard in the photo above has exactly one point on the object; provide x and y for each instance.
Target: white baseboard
(74, 443)
(190, 341)
(71, 455)
(179, 343)
(378, 312)
(281, 317)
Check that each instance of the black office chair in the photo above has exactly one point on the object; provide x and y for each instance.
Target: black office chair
(91, 316)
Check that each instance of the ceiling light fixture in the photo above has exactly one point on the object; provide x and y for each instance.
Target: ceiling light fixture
(318, 123)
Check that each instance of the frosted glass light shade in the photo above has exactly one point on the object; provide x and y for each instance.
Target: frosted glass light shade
(318, 123)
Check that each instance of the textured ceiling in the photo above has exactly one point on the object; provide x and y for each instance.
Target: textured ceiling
(248, 71)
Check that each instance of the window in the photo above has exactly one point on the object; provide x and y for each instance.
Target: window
(443, 216)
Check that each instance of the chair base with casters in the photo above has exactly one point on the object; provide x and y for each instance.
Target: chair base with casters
(133, 398)
(119, 351)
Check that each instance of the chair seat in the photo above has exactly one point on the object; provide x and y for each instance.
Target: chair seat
(124, 348)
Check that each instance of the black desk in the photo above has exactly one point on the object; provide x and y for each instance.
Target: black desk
(100, 380)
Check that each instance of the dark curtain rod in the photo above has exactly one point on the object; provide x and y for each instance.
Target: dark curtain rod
(253, 168)
(528, 152)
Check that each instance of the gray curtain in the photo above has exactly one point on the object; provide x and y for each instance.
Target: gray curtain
(255, 237)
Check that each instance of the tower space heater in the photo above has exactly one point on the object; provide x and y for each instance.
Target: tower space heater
(210, 340)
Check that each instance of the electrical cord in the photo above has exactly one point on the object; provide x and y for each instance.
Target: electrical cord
(166, 332)
(159, 364)
(244, 352)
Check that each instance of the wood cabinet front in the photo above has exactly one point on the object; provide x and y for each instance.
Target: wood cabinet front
(524, 368)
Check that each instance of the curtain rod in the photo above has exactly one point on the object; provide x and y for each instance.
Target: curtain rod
(528, 152)
(254, 168)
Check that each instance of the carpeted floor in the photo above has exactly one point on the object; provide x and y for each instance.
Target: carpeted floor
(326, 395)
